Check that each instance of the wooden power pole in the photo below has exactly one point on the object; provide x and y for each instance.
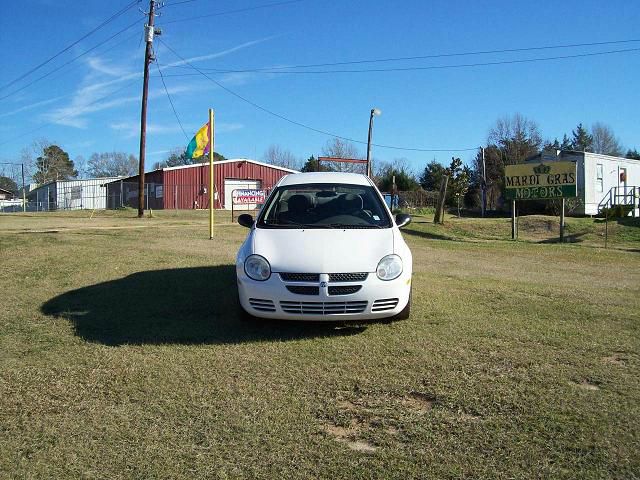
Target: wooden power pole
(148, 58)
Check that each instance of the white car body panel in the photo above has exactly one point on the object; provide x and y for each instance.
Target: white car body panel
(324, 251)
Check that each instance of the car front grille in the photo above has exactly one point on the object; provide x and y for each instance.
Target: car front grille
(344, 289)
(300, 277)
(303, 289)
(323, 308)
(384, 304)
(348, 277)
(262, 305)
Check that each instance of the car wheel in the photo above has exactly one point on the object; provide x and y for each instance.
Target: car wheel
(406, 311)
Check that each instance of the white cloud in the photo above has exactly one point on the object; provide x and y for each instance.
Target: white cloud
(98, 65)
(32, 106)
(94, 93)
(132, 129)
(217, 54)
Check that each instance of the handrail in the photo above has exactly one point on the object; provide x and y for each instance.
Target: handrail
(614, 197)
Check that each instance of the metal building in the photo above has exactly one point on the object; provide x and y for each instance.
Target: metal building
(82, 194)
(185, 186)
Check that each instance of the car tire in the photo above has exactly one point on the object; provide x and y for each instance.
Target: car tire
(406, 311)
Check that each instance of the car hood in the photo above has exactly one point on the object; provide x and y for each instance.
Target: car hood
(323, 250)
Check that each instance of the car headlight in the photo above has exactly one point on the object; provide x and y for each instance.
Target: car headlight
(389, 268)
(257, 268)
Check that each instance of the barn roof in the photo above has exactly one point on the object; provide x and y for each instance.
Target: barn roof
(231, 160)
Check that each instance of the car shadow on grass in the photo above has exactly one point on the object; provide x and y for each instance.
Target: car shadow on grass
(175, 306)
(429, 235)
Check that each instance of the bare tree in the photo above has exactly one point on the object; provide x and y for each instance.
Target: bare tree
(81, 166)
(517, 137)
(112, 164)
(342, 149)
(605, 141)
(276, 155)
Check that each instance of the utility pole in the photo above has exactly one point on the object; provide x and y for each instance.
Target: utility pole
(148, 58)
(374, 113)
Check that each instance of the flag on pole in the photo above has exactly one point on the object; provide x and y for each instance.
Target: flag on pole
(199, 144)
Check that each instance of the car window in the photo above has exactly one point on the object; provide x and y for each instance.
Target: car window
(324, 205)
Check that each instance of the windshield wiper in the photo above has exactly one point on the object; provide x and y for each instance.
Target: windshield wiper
(344, 225)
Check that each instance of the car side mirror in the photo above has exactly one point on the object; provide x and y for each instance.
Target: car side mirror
(245, 220)
(402, 220)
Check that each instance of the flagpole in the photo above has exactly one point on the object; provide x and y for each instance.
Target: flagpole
(211, 174)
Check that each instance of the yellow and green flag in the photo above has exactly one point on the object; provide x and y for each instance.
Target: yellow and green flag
(199, 144)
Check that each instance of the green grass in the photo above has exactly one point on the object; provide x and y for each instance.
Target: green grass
(123, 355)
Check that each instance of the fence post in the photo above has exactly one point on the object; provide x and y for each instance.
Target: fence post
(514, 228)
(562, 221)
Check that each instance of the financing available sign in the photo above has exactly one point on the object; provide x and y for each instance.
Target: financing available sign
(542, 181)
(248, 196)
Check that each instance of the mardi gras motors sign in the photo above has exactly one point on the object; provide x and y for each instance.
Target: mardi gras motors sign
(530, 181)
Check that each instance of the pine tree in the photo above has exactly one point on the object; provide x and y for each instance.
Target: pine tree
(54, 164)
(582, 141)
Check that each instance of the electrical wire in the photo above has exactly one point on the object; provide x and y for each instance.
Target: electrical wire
(72, 60)
(40, 65)
(431, 67)
(176, 3)
(171, 102)
(239, 10)
(416, 57)
(308, 127)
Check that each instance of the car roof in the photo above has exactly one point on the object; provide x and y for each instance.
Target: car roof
(325, 177)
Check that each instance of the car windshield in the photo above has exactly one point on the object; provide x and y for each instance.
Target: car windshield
(324, 205)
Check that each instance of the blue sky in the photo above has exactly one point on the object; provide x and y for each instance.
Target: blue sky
(430, 109)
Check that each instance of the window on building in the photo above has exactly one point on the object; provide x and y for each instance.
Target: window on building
(599, 177)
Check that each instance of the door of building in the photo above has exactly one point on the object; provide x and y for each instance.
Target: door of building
(231, 184)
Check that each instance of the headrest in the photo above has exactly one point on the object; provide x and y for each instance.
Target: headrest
(350, 202)
(299, 204)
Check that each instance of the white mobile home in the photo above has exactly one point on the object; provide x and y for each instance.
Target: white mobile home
(603, 181)
(84, 194)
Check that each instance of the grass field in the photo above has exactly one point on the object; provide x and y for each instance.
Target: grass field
(122, 355)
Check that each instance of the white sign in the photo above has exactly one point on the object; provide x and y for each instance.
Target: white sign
(248, 196)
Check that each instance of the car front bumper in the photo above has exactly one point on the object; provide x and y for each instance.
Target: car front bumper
(375, 299)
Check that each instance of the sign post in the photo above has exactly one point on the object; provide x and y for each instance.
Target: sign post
(528, 181)
(514, 225)
(212, 196)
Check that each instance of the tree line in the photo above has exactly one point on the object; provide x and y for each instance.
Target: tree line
(511, 140)
(45, 162)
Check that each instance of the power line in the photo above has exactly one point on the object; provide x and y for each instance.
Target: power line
(177, 3)
(432, 67)
(418, 57)
(227, 12)
(313, 129)
(41, 77)
(411, 69)
(105, 22)
(171, 101)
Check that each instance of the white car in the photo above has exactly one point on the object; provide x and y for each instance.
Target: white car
(325, 247)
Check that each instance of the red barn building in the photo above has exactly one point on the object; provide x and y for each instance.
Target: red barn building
(186, 186)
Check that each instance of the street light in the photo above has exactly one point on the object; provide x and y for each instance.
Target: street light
(374, 113)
